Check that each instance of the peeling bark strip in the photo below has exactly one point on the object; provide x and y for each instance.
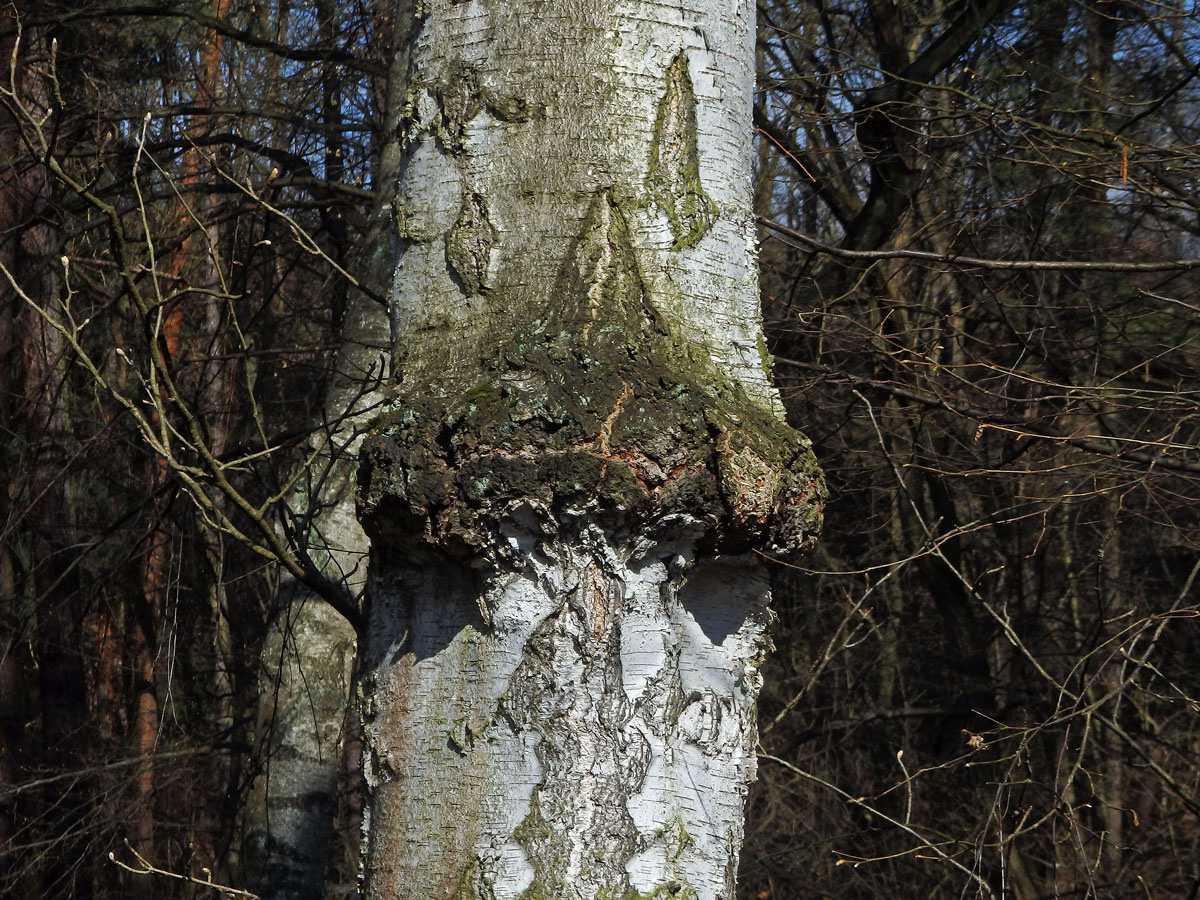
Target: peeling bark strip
(566, 616)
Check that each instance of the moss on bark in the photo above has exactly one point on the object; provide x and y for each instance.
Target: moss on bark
(674, 179)
(595, 410)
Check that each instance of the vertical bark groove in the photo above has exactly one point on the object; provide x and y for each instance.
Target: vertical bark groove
(675, 160)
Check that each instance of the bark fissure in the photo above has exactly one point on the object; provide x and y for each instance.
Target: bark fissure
(675, 160)
(469, 245)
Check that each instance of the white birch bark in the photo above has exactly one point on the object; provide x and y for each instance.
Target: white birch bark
(566, 617)
(308, 656)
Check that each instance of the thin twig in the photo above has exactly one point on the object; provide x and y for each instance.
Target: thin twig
(1023, 265)
(145, 867)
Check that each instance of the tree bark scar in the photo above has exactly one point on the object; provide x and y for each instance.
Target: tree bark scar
(470, 243)
(599, 611)
(604, 285)
(674, 178)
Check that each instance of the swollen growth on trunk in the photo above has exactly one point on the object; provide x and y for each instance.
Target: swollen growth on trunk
(582, 455)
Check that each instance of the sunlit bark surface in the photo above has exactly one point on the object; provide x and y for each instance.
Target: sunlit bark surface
(583, 452)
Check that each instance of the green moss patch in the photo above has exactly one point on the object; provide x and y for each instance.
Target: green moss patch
(595, 410)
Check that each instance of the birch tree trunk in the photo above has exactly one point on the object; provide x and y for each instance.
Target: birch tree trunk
(583, 452)
(308, 655)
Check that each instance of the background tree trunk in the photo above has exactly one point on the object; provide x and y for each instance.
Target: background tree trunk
(566, 621)
(308, 656)
(45, 577)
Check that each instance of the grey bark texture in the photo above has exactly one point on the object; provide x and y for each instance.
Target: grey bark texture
(308, 657)
(582, 453)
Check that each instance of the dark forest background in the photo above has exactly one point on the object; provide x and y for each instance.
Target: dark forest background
(980, 242)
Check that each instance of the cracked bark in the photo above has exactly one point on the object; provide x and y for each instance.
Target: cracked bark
(566, 616)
